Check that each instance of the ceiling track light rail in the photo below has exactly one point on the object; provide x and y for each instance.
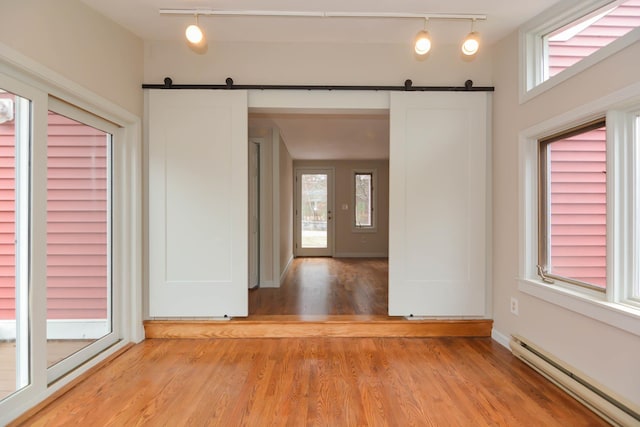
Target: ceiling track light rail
(407, 87)
(320, 14)
(422, 43)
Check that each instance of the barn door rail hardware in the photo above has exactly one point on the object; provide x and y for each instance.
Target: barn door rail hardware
(407, 87)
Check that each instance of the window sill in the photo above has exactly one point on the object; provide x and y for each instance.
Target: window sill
(595, 307)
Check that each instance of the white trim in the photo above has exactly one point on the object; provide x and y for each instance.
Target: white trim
(611, 313)
(500, 338)
(361, 255)
(310, 101)
(286, 269)
(127, 224)
(530, 55)
(269, 284)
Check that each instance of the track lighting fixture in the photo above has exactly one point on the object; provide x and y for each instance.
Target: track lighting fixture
(471, 43)
(194, 33)
(422, 44)
(423, 41)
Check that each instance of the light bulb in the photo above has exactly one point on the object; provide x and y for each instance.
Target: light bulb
(423, 43)
(471, 44)
(194, 34)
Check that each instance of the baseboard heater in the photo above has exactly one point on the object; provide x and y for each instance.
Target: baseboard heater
(603, 402)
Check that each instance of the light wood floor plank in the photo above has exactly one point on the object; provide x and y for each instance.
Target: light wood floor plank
(316, 382)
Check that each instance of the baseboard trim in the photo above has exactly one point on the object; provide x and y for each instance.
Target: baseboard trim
(317, 327)
(501, 339)
(286, 269)
(269, 284)
(361, 255)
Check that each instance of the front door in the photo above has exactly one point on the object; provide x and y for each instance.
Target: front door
(314, 212)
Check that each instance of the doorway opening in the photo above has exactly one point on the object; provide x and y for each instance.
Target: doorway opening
(316, 256)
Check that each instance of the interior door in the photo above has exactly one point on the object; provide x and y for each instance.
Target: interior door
(438, 250)
(314, 212)
(198, 203)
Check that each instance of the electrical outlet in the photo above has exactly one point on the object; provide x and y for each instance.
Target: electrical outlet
(514, 306)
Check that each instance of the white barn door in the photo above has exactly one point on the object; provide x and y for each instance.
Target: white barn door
(438, 179)
(198, 203)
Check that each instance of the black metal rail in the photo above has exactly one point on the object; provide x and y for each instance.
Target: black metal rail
(407, 87)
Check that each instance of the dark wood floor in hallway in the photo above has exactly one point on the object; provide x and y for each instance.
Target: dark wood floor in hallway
(316, 382)
(327, 286)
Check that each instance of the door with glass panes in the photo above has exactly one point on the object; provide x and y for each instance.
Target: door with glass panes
(314, 212)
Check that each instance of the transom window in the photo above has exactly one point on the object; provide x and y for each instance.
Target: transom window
(578, 39)
(563, 42)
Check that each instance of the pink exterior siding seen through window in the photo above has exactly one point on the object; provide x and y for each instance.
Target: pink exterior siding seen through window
(77, 209)
(578, 205)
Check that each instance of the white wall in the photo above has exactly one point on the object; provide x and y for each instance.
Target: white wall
(75, 41)
(607, 354)
(290, 63)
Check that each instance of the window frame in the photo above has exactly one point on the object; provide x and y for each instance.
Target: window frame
(616, 306)
(70, 362)
(373, 228)
(544, 219)
(31, 80)
(532, 50)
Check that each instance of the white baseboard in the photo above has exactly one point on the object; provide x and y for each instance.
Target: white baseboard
(286, 269)
(500, 338)
(361, 255)
(269, 284)
(62, 329)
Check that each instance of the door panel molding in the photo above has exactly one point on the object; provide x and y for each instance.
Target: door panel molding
(438, 249)
(198, 204)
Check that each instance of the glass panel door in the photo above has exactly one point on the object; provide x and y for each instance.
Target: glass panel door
(314, 212)
(15, 138)
(79, 288)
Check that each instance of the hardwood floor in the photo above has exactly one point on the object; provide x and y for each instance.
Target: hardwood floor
(316, 382)
(327, 286)
(310, 377)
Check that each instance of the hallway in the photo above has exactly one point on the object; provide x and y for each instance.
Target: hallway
(327, 286)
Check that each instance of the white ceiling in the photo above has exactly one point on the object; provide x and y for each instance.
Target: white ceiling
(142, 17)
(326, 136)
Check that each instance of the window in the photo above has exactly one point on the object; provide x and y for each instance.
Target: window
(580, 210)
(573, 206)
(15, 142)
(634, 292)
(79, 288)
(364, 200)
(69, 233)
(562, 40)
